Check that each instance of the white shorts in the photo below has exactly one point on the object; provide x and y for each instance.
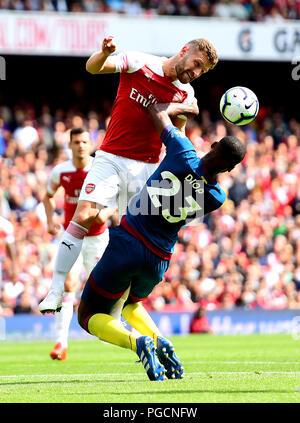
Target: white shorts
(92, 250)
(113, 180)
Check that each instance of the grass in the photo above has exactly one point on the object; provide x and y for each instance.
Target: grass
(218, 369)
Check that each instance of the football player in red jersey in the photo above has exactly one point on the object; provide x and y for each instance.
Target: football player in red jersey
(70, 175)
(130, 150)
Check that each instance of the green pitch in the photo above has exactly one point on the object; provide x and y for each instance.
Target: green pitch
(225, 369)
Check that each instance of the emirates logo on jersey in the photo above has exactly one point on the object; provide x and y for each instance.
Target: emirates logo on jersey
(90, 188)
(139, 98)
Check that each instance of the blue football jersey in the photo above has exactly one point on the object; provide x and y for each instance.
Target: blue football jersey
(178, 192)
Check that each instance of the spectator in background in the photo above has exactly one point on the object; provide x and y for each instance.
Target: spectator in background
(247, 10)
(25, 304)
(132, 7)
(27, 137)
(4, 136)
(6, 309)
(200, 322)
(96, 132)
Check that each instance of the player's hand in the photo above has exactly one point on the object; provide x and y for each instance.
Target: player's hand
(195, 109)
(108, 46)
(188, 110)
(175, 109)
(53, 228)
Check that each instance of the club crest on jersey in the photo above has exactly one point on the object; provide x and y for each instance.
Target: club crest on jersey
(90, 188)
(178, 98)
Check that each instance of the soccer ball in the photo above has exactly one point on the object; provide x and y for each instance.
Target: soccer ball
(239, 105)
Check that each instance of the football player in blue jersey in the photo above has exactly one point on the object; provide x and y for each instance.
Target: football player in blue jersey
(183, 187)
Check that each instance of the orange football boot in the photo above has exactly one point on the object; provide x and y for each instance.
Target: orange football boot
(58, 352)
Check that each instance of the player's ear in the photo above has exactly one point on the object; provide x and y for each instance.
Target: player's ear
(184, 50)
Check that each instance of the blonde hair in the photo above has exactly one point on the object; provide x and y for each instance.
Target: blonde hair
(202, 44)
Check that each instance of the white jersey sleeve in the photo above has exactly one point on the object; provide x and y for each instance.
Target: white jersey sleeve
(188, 89)
(190, 93)
(132, 61)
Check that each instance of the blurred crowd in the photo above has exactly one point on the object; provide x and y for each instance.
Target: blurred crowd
(252, 10)
(245, 254)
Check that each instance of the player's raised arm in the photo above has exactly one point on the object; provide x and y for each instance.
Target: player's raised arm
(161, 113)
(180, 120)
(159, 116)
(99, 63)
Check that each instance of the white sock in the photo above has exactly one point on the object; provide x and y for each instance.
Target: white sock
(68, 252)
(63, 319)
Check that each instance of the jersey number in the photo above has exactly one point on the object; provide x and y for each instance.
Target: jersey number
(154, 192)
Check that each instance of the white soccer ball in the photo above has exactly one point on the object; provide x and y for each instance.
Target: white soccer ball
(239, 105)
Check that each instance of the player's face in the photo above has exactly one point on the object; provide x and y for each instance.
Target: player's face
(227, 166)
(81, 145)
(192, 64)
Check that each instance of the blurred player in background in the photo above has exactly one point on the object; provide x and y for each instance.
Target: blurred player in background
(140, 249)
(130, 150)
(70, 175)
(8, 246)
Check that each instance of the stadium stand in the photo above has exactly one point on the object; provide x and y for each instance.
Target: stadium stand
(246, 254)
(251, 10)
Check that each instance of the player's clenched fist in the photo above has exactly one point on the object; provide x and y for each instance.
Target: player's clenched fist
(108, 45)
(53, 228)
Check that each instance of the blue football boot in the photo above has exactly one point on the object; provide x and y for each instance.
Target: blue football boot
(146, 352)
(166, 354)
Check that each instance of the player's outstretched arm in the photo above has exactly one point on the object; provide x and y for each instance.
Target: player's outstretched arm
(159, 115)
(189, 110)
(99, 63)
(162, 112)
(180, 119)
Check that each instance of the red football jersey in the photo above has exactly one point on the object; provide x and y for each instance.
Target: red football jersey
(7, 234)
(131, 132)
(71, 179)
